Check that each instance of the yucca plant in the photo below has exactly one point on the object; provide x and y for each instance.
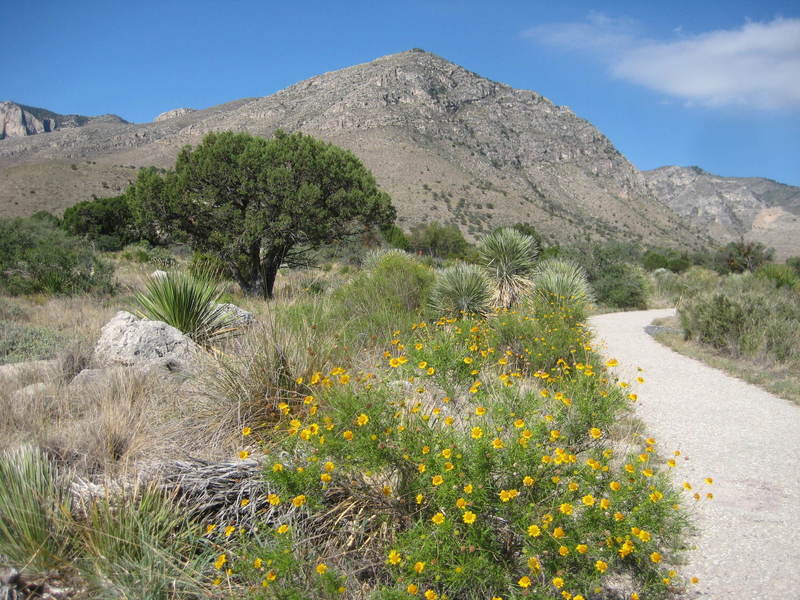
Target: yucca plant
(563, 282)
(34, 512)
(189, 303)
(461, 289)
(509, 257)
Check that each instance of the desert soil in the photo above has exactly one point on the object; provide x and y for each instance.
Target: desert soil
(743, 437)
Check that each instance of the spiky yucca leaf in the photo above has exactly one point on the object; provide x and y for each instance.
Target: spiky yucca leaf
(562, 281)
(461, 289)
(189, 304)
(510, 257)
(34, 512)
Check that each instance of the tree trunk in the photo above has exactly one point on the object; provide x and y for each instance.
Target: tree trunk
(269, 271)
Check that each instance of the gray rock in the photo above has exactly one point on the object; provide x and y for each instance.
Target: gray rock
(172, 114)
(239, 316)
(128, 341)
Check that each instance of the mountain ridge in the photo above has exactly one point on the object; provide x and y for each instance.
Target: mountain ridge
(446, 144)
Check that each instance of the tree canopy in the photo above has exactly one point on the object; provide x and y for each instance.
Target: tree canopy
(257, 204)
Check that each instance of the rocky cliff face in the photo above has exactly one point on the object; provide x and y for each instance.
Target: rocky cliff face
(730, 208)
(18, 120)
(447, 145)
(171, 114)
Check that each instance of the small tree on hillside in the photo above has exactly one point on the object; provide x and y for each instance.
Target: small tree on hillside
(257, 204)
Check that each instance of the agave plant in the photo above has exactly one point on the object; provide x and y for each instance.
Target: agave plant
(461, 289)
(562, 281)
(189, 303)
(509, 257)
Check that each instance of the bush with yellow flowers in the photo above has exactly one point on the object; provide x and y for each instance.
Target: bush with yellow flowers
(479, 463)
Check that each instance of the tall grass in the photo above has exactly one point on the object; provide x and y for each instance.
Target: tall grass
(34, 512)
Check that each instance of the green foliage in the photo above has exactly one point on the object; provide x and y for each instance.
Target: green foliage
(150, 201)
(108, 222)
(563, 282)
(668, 258)
(530, 230)
(34, 512)
(188, 303)
(621, 286)
(22, 342)
(204, 263)
(745, 316)
(395, 237)
(741, 256)
(509, 257)
(780, 275)
(794, 263)
(461, 289)
(37, 257)
(259, 204)
(437, 240)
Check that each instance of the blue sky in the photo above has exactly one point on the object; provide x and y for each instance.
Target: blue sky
(714, 84)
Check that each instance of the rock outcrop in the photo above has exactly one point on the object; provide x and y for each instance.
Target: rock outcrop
(128, 341)
(171, 114)
(730, 208)
(18, 120)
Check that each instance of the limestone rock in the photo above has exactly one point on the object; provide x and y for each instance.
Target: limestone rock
(171, 114)
(128, 341)
(239, 316)
(17, 120)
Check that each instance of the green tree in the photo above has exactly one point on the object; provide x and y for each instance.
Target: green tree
(150, 201)
(741, 256)
(259, 204)
(106, 221)
(441, 241)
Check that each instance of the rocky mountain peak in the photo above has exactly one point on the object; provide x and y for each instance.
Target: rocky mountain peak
(174, 113)
(19, 120)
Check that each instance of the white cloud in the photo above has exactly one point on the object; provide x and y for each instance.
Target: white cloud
(755, 66)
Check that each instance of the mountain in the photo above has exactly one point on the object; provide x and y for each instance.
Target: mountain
(729, 208)
(18, 120)
(447, 145)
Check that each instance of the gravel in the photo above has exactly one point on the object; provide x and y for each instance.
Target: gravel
(743, 437)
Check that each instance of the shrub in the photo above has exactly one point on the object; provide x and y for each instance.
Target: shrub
(107, 222)
(666, 259)
(461, 289)
(741, 256)
(745, 316)
(563, 282)
(441, 241)
(395, 237)
(621, 286)
(36, 257)
(23, 342)
(780, 275)
(189, 304)
(509, 257)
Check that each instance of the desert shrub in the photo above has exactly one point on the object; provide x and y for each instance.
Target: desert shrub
(666, 259)
(188, 303)
(393, 291)
(107, 222)
(621, 285)
(507, 484)
(741, 256)
(441, 241)
(372, 258)
(461, 289)
(794, 263)
(395, 237)
(22, 342)
(563, 282)
(34, 511)
(745, 316)
(780, 275)
(509, 257)
(37, 257)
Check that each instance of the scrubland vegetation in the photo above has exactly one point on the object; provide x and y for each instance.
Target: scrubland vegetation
(429, 424)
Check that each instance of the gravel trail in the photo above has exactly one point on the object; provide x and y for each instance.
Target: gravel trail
(746, 439)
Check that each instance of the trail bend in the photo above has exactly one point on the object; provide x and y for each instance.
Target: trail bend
(745, 438)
